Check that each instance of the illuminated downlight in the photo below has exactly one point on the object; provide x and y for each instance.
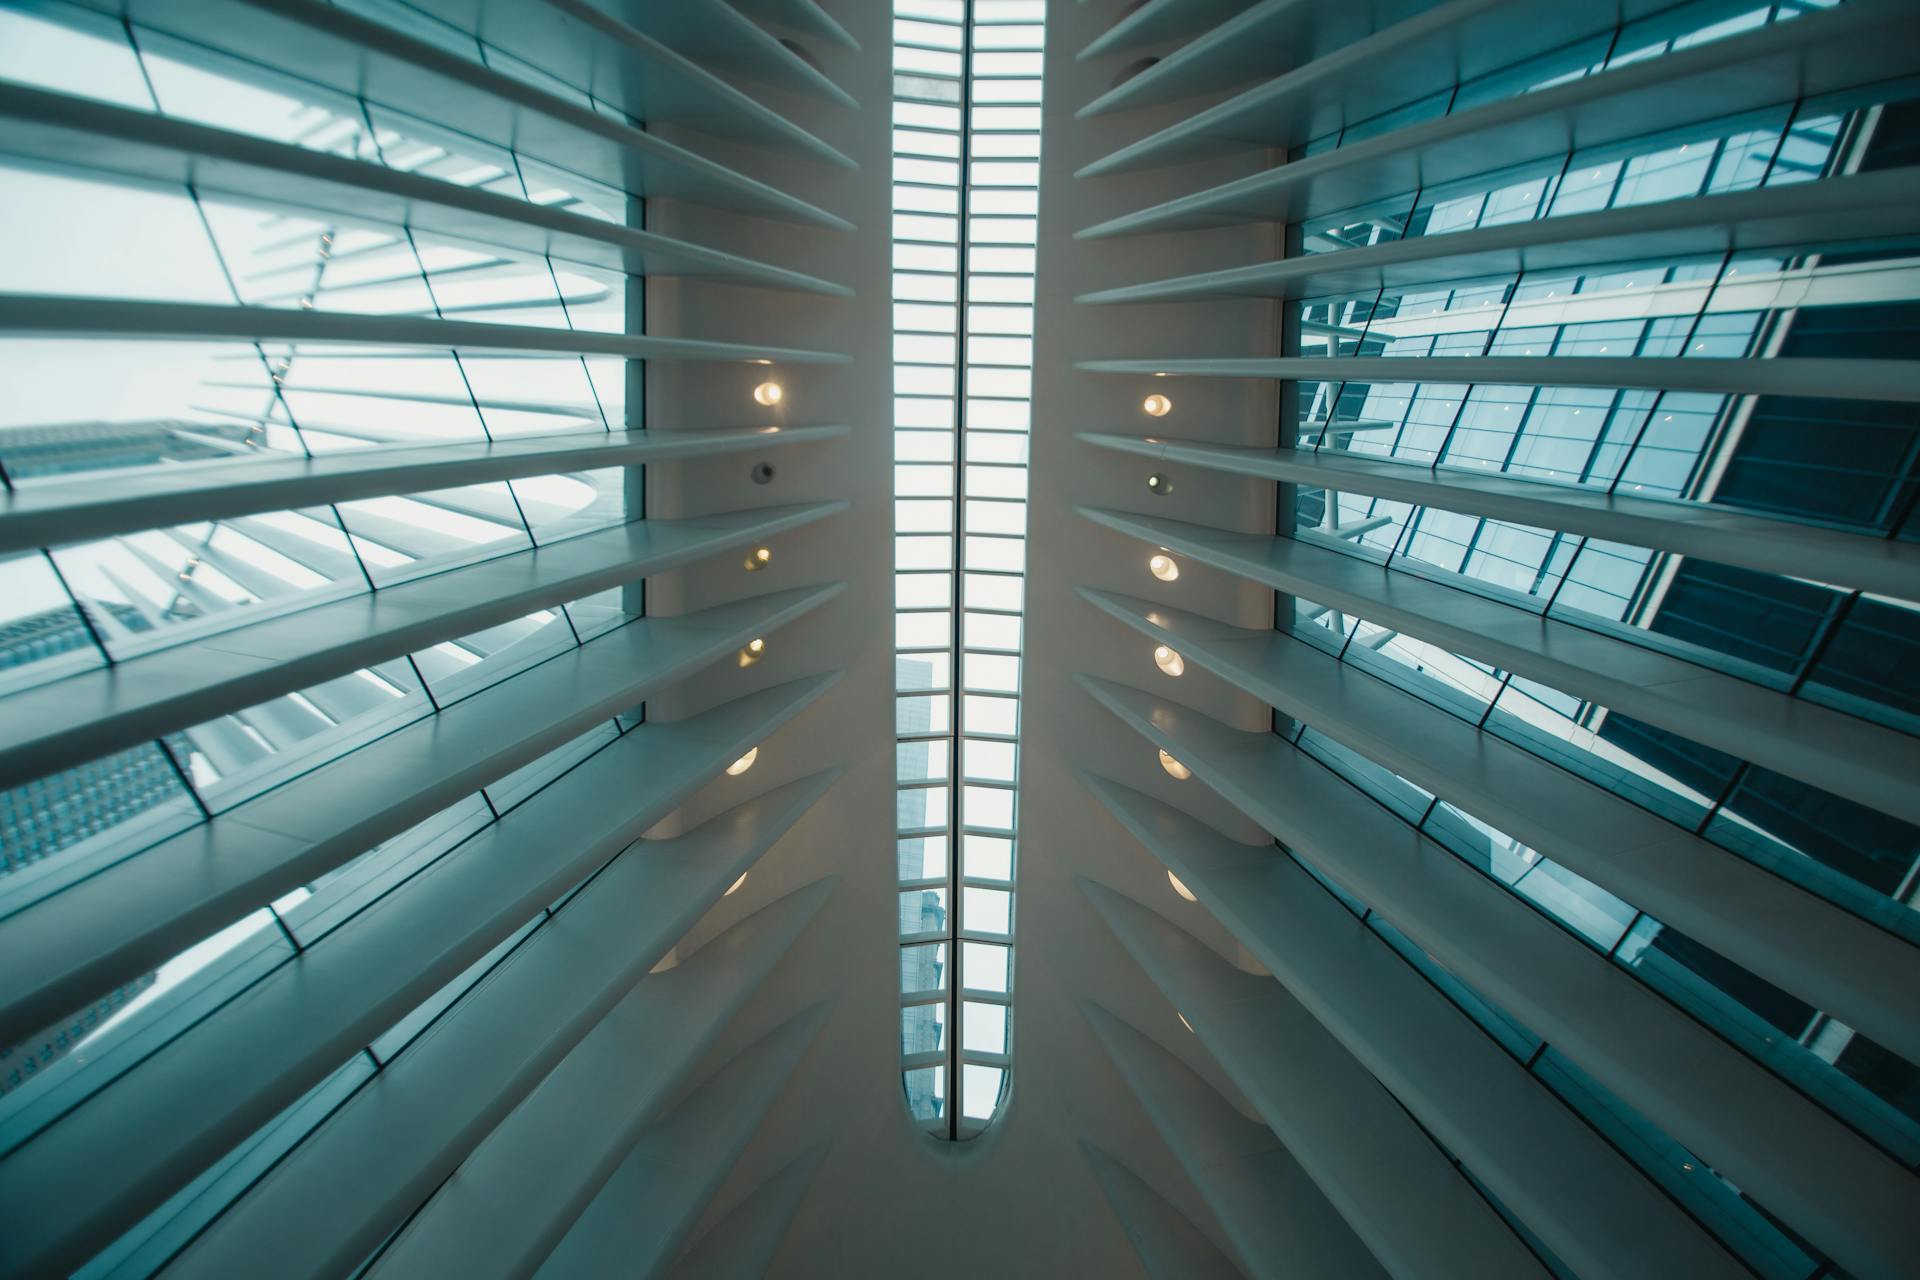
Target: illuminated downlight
(1163, 567)
(1179, 886)
(1168, 661)
(1174, 768)
(743, 764)
(1157, 405)
(769, 393)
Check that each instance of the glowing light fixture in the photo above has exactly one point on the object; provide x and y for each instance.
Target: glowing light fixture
(1178, 887)
(735, 886)
(1157, 405)
(743, 764)
(768, 393)
(1168, 661)
(1163, 567)
(1159, 484)
(757, 559)
(1173, 767)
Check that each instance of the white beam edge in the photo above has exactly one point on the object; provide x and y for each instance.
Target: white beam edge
(59, 129)
(211, 1087)
(1169, 1244)
(742, 1245)
(1865, 762)
(1821, 377)
(101, 505)
(1722, 534)
(640, 1218)
(96, 713)
(514, 1197)
(58, 316)
(85, 939)
(1278, 1223)
(1837, 961)
(1392, 1184)
(335, 1198)
(1828, 1182)
(1843, 211)
(1586, 1202)
(1856, 45)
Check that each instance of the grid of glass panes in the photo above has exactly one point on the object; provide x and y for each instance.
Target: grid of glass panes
(966, 170)
(1667, 444)
(82, 407)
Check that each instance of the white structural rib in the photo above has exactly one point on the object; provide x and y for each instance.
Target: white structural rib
(48, 316)
(83, 940)
(1430, 52)
(99, 712)
(135, 499)
(364, 58)
(713, 31)
(741, 1245)
(1843, 1193)
(57, 128)
(803, 16)
(1863, 761)
(1832, 378)
(220, 1080)
(334, 1199)
(1585, 1202)
(1397, 1190)
(1725, 535)
(636, 1225)
(529, 1180)
(1273, 33)
(1809, 216)
(1159, 20)
(1864, 975)
(1170, 1246)
(1832, 51)
(1278, 1223)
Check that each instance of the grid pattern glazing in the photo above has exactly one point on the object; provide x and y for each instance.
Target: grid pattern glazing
(966, 172)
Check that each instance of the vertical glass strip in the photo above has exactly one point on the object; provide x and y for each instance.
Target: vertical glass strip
(966, 138)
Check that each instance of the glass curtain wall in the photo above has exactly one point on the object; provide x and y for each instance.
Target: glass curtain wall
(112, 408)
(966, 117)
(1850, 465)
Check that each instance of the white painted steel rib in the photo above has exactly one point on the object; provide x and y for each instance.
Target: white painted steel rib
(1867, 976)
(1169, 1244)
(363, 58)
(741, 1245)
(1832, 51)
(1841, 1192)
(1590, 1207)
(1859, 210)
(1156, 21)
(60, 129)
(1725, 535)
(1248, 46)
(49, 316)
(803, 16)
(95, 713)
(135, 499)
(593, 47)
(712, 31)
(80, 940)
(653, 1191)
(1276, 1220)
(1858, 759)
(326, 1207)
(1832, 378)
(1429, 53)
(1395, 1188)
(225, 1076)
